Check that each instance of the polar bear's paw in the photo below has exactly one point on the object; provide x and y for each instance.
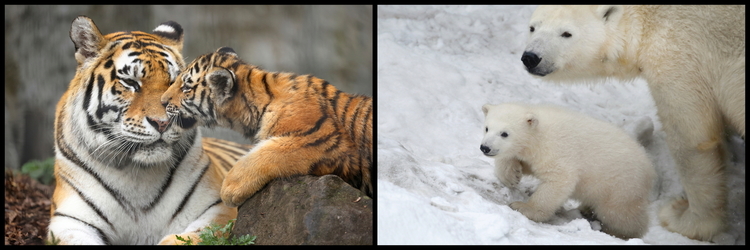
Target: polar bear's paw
(510, 178)
(532, 212)
(676, 216)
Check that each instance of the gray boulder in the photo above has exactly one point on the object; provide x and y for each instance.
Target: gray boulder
(307, 210)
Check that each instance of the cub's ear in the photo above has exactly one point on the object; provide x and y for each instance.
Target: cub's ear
(610, 13)
(531, 120)
(222, 83)
(86, 38)
(171, 31)
(226, 50)
(486, 108)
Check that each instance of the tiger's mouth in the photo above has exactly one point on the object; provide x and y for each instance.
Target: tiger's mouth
(155, 152)
(180, 118)
(183, 121)
(143, 146)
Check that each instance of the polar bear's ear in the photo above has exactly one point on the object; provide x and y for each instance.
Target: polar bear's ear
(531, 120)
(610, 13)
(485, 108)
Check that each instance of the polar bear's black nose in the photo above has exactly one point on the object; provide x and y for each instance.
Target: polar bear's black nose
(530, 59)
(484, 149)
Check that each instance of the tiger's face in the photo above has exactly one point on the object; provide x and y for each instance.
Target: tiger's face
(201, 91)
(119, 81)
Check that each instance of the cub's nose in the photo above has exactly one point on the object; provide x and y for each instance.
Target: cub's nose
(484, 149)
(530, 59)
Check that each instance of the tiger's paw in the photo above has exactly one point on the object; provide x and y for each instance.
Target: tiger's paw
(235, 190)
(187, 239)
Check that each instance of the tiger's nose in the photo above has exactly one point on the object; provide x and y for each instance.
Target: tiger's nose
(160, 125)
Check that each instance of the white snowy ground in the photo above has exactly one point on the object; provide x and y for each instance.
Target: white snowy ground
(437, 65)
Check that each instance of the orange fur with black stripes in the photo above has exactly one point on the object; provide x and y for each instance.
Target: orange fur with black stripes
(301, 123)
(124, 173)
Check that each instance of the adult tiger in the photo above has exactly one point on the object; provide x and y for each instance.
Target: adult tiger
(124, 173)
(302, 124)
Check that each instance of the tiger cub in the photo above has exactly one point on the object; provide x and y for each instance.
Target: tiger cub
(124, 173)
(302, 124)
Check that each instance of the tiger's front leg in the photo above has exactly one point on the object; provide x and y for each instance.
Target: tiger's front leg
(270, 159)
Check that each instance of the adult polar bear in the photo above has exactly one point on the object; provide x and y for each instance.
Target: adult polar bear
(693, 58)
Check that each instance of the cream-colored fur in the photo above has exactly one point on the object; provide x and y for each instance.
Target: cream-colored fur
(574, 156)
(693, 58)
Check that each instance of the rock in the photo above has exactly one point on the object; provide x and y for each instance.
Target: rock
(307, 210)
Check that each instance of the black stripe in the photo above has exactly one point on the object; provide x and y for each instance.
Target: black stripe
(366, 134)
(353, 120)
(319, 123)
(321, 140)
(234, 66)
(268, 89)
(109, 63)
(335, 100)
(98, 230)
(68, 154)
(88, 202)
(189, 194)
(100, 84)
(180, 154)
(217, 202)
(248, 82)
(324, 87)
(127, 45)
(196, 68)
(87, 95)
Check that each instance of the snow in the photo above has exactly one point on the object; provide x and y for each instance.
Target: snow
(437, 65)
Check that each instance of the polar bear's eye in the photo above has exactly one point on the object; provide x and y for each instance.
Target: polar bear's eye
(486, 129)
(566, 34)
(532, 29)
(504, 135)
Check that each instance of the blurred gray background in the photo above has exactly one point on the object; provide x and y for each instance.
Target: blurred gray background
(331, 42)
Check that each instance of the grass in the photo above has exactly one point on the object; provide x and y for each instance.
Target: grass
(219, 235)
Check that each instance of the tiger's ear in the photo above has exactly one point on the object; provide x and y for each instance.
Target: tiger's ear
(222, 84)
(171, 31)
(86, 38)
(226, 50)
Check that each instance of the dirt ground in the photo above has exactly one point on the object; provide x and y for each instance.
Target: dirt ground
(27, 204)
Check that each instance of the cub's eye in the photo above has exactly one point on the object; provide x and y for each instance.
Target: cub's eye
(503, 135)
(566, 34)
(532, 29)
(185, 89)
(486, 129)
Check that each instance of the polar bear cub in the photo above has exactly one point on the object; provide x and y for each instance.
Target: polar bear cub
(574, 156)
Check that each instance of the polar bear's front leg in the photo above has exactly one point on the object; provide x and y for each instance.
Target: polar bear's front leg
(694, 131)
(508, 171)
(556, 187)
